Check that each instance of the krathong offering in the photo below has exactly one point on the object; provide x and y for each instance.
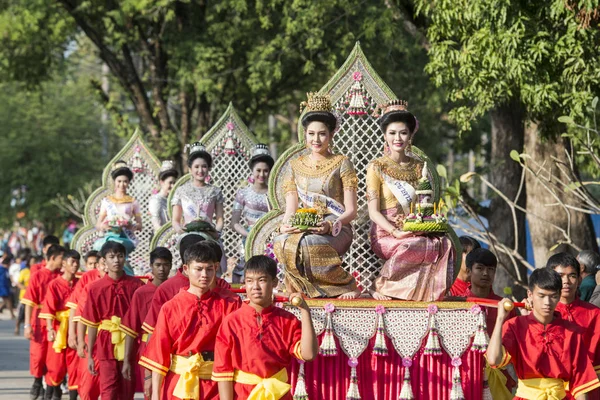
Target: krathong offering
(428, 216)
(306, 218)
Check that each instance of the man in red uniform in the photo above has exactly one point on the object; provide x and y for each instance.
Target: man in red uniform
(108, 299)
(46, 243)
(87, 385)
(255, 344)
(173, 285)
(571, 308)
(547, 352)
(161, 261)
(180, 354)
(35, 330)
(60, 359)
(463, 279)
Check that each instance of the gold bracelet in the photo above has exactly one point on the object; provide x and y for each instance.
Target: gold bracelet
(330, 226)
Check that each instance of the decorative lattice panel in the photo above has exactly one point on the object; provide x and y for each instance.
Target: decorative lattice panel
(145, 166)
(358, 137)
(230, 170)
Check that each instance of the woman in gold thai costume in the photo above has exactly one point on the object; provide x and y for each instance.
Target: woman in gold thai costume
(419, 266)
(325, 182)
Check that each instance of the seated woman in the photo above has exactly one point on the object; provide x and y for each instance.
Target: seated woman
(251, 200)
(119, 213)
(157, 206)
(326, 182)
(198, 202)
(419, 266)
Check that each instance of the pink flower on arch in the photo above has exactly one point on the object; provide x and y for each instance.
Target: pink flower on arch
(357, 76)
(230, 126)
(329, 307)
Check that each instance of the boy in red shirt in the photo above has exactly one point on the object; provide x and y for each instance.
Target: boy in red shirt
(255, 344)
(180, 353)
(60, 359)
(547, 351)
(463, 279)
(108, 299)
(161, 261)
(35, 329)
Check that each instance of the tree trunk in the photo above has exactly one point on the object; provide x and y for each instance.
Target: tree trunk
(578, 226)
(507, 135)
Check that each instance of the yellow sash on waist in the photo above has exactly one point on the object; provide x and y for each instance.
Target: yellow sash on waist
(145, 338)
(117, 337)
(272, 388)
(60, 341)
(541, 389)
(190, 371)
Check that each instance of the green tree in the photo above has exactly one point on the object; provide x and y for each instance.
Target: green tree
(524, 63)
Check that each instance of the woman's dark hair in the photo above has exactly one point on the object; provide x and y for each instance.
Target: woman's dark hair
(200, 154)
(546, 279)
(398, 116)
(112, 247)
(481, 256)
(468, 244)
(262, 158)
(322, 116)
(563, 260)
(122, 171)
(261, 264)
(161, 252)
(167, 174)
(202, 252)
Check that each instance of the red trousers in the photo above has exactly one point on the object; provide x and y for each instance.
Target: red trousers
(112, 384)
(37, 350)
(138, 370)
(88, 385)
(59, 364)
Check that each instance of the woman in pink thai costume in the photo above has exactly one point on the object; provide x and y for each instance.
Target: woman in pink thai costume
(157, 206)
(312, 260)
(198, 201)
(119, 213)
(419, 266)
(251, 201)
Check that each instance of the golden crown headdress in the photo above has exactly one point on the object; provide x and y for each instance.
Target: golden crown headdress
(119, 164)
(316, 102)
(261, 150)
(392, 105)
(167, 165)
(194, 147)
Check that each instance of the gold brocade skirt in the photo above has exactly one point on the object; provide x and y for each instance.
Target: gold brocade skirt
(313, 263)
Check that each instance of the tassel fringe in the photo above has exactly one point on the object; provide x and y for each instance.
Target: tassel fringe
(481, 339)
(380, 348)
(406, 393)
(328, 347)
(432, 347)
(353, 393)
(300, 391)
(457, 390)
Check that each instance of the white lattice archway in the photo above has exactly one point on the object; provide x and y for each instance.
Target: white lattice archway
(355, 91)
(230, 171)
(145, 166)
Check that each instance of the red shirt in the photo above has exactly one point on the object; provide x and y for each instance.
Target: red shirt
(107, 298)
(86, 278)
(459, 288)
(260, 348)
(55, 301)
(164, 293)
(552, 351)
(36, 292)
(131, 324)
(186, 325)
(587, 316)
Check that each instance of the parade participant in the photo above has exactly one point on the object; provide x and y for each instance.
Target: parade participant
(255, 344)
(108, 300)
(22, 283)
(547, 352)
(119, 212)
(161, 261)
(60, 359)
(6, 286)
(577, 311)
(35, 330)
(91, 260)
(589, 262)
(174, 284)
(180, 353)
(46, 243)
(251, 201)
(418, 265)
(463, 280)
(326, 183)
(157, 206)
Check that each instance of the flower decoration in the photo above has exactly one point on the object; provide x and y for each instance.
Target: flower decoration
(329, 307)
(230, 126)
(406, 362)
(456, 362)
(357, 76)
(352, 362)
(475, 309)
(380, 309)
(432, 309)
